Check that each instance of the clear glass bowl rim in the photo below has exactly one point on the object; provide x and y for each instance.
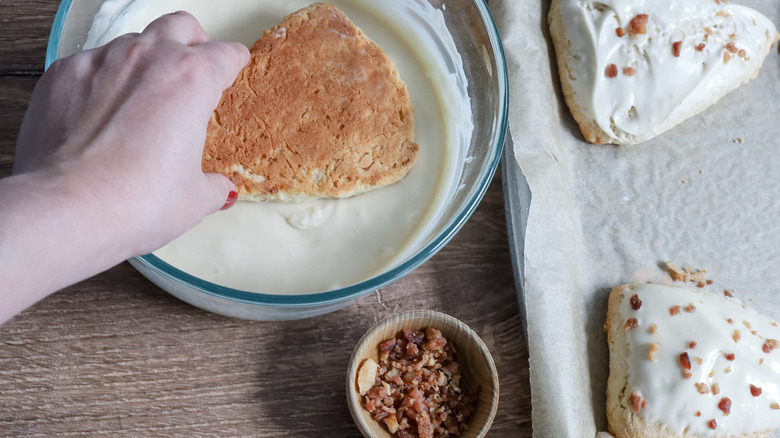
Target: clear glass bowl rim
(163, 269)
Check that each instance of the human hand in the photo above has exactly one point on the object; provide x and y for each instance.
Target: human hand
(123, 127)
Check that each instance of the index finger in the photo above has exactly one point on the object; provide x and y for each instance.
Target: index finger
(228, 60)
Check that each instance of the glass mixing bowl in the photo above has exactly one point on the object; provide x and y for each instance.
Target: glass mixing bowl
(474, 52)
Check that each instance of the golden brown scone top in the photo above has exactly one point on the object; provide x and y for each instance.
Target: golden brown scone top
(320, 111)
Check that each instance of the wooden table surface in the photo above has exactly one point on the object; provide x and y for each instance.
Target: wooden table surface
(115, 355)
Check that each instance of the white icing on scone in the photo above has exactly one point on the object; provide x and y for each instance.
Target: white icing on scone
(696, 357)
(688, 55)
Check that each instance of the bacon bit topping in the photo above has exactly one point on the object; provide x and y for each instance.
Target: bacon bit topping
(690, 308)
(686, 374)
(654, 347)
(698, 413)
(653, 328)
(637, 402)
(713, 424)
(715, 389)
(770, 345)
(702, 388)
(725, 405)
(728, 293)
(727, 370)
(611, 71)
(636, 303)
(699, 360)
(676, 48)
(774, 324)
(736, 336)
(754, 333)
(674, 310)
(730, 321)
(731, 47)
(708, 31)
(755, 390)
(701, 283)
(709, 281)
(620, 32)
(692, 345)
(747, 324)
(774, 406)
(631, 324)
(729, 356)
(685, 361)
(629, 71)
(638, 25)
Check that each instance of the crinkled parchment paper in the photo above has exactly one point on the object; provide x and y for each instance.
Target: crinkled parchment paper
(705, 194)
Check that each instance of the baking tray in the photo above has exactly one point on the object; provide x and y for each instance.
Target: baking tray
(517, 200)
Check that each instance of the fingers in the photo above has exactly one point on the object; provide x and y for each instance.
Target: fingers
(180, 26)
(220, 192)
(227, 58)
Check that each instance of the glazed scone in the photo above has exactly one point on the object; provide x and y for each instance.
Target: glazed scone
(631, 70)
(690, 363)
(319, 112)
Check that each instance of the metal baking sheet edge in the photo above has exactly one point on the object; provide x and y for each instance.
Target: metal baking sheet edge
(517, 200)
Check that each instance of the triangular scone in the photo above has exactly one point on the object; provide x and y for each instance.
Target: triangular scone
(632, 69)
(690, 363)
(319, 112)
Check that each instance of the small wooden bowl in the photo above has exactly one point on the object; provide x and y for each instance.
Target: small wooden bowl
(476, 366)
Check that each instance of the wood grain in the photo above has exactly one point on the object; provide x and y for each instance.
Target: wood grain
(114, 355)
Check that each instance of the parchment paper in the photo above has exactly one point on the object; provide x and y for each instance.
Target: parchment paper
(604, 215)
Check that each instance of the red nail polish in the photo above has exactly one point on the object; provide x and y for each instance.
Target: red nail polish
(231, 200)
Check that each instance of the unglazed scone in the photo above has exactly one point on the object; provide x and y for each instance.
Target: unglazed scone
(631, 69)
(690, 363)
(319, 112)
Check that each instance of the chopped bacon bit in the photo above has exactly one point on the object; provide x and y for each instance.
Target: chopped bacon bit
(620, 32)
(638, 25)
(685, 361)
(754, 333)
(767, 347)
(730, 321)
(699, 360)
(690, 308)
(637, 402)
(676, 48)
(611, 71)
(755, 390)
(674, 310)
(708, 31)
(725, 405)
(728, 293)
(713, 424)
(692, 345)
(686, 374)
(632, 323)
(700, 47)
(742, 53)
(654, 347)
(736, 336)
(774, 324)
(729, 356)
(701, 283)
(709, 282)
(636, 303)
(774, 406)
(702, 388)
(653, 328)
(747, 324)
(629, 71)
(731, 47)
(727, 370)
(715, 388)
(698, 413)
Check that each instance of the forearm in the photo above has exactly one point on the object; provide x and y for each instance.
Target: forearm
(51, 236)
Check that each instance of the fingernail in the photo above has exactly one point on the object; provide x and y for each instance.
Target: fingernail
(231, 200)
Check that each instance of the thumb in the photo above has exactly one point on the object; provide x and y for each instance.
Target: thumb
(222, 193)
